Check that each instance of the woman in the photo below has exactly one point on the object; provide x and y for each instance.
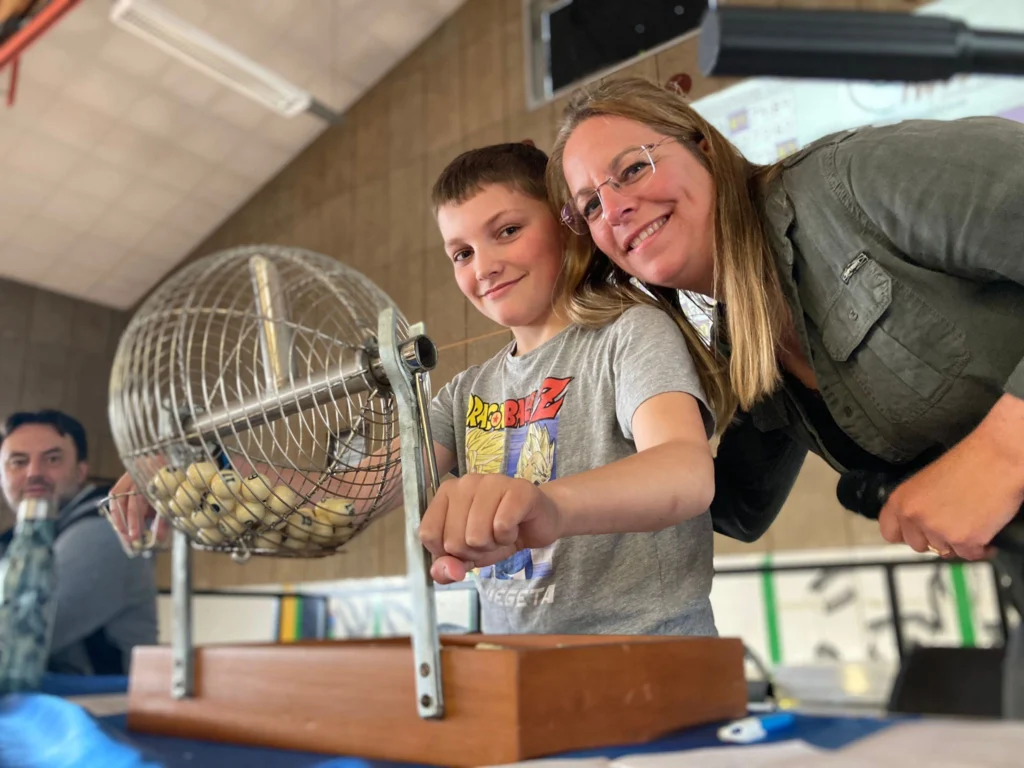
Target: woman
(870, 295)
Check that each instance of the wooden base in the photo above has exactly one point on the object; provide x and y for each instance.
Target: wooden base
(507, 698)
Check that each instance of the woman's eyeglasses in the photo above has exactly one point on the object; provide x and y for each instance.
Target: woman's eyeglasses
(633, 168)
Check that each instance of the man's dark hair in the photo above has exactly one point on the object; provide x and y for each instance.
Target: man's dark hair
(60, 421)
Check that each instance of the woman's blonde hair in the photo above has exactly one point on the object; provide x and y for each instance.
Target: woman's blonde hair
(745, 276)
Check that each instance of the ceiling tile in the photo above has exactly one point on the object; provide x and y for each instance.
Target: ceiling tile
(72, 278)
(178, 169)
(43, 235)
(87, 21)
(22, 192)
(49, 64)
(400, 28)
(122, 228)
(238, 110)
(270, 13)
(240, 31)
(74, 124)
(32, 98)
(311, 29)
(104, 89)
(115, 292)
(291, 63)
(188, 84)
(255, 159)
(136, 266)
(156, 114)
(163, 240)
(25, 265)
(10, 131)
(95, 177)
(132, 55)
(94, 251)
(195, 218)
(192, 11)
(293, 132)
(145, 267)
(447, 6)
(43, 157)
(74, 209)
(153, 250)
(10, 222)
(363, 58)
(149, 199)
(210, 138)
(224, 188)
(130, 147)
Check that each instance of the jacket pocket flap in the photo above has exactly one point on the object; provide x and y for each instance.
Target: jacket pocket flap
(864, 296)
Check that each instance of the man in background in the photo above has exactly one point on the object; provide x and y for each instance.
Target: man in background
(106, 601)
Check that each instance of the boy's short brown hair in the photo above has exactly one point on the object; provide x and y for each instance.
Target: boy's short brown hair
(518, 165)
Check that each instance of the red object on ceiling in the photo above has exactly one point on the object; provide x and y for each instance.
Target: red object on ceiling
(15, 45)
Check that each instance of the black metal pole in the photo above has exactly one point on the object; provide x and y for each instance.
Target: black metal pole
(894, 608)
(1004, 621)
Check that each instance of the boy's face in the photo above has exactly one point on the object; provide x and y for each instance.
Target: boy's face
(506, 249)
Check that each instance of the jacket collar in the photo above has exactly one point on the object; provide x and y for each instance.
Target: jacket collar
(82, 504)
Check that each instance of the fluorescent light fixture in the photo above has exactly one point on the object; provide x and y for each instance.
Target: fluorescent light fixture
(156, 25)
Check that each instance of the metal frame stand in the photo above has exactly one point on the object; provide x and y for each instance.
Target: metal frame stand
(405, 378)
(182, 652)
(405, 367)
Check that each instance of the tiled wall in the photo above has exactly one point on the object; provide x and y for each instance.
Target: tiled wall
(56, 352)
(360, 194)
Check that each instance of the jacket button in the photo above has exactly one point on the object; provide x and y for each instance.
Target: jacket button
(847, 411)
(853, 314)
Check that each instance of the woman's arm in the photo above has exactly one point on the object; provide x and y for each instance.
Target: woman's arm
(959, 502)
(950, 195)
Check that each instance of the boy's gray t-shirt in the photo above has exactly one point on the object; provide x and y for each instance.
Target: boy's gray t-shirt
(564, 408)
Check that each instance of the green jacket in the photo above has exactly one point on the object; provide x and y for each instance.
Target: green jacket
(901, 253)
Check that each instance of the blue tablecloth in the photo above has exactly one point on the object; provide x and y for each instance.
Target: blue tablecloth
(83, 685)
(45, 731)
(827, 732)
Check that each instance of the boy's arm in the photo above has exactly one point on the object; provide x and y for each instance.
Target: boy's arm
(482, 519)
(661, 406)
(479, 520)
(670, 479)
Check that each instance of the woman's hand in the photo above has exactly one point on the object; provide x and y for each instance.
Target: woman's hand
(957, 504)
(480, 520)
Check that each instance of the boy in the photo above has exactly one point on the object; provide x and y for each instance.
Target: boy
(567, 431)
